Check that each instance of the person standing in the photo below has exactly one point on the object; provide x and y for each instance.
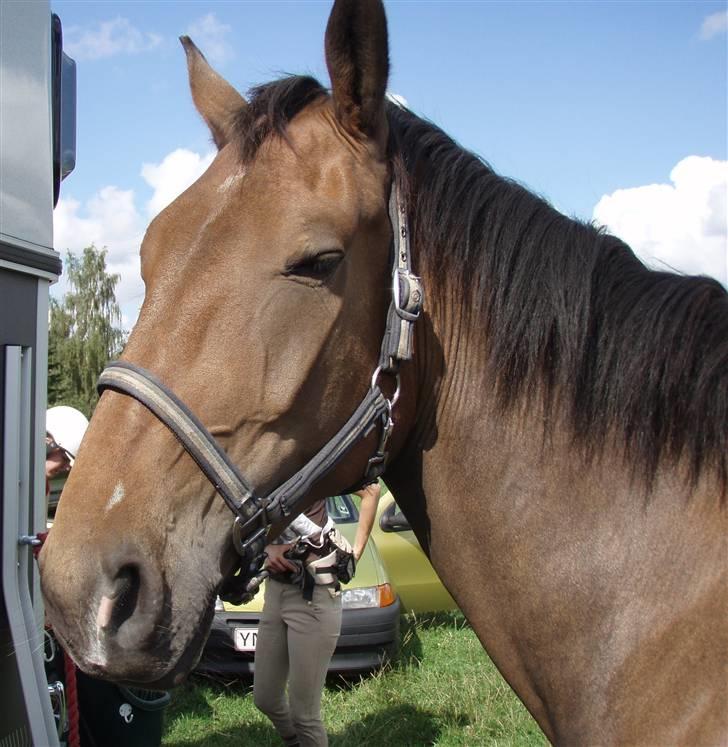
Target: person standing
(65, 428)
(301, 619)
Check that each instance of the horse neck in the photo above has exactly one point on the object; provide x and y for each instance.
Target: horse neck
(563, 567)
(564, 551)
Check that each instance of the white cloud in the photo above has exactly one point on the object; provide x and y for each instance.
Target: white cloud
(108, 38)
(714, 24)
(109, 219)
(113, 218)
(173, 175)
(210, 36)
(681, 225)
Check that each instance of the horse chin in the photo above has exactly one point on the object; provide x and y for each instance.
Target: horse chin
(159, 667)
(191, 654)
(181, 669)
(185, 661)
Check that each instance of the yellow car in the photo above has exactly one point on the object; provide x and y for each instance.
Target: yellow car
(414, 579)
(393, 575)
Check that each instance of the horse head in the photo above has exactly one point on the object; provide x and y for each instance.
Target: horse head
(266, 291)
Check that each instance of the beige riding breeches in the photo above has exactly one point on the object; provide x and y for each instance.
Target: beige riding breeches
(296, 640)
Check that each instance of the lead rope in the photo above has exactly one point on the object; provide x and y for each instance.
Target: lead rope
(69, 667)
(74, 737)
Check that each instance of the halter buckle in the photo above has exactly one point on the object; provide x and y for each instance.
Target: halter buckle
(407, 294)
(248, 546)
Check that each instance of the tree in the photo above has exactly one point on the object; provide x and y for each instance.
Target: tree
(84, 331)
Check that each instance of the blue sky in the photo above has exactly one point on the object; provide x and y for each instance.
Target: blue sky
(620, 105)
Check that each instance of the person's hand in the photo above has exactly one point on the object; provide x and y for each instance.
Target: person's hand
(372, 490)
(275, 561)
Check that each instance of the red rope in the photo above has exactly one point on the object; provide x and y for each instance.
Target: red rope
(42, 536)
(74, 739)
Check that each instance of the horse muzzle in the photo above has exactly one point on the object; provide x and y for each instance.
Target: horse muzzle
(114, 616)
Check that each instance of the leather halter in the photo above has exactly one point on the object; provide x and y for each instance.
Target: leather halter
(254, 513)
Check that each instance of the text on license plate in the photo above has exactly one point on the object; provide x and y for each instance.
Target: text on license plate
(245, 638)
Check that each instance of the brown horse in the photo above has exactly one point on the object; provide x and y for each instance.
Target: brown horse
(559, 445)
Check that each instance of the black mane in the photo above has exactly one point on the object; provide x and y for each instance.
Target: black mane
(569, 312)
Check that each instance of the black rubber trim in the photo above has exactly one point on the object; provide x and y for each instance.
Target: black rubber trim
(31, 258)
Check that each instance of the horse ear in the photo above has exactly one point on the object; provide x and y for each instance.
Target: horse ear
(357, 56)
(215, 99)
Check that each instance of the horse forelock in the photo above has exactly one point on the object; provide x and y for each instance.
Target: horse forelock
(270, 108)
(568, 314)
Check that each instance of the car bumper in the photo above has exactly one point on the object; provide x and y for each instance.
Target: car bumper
(368, 638)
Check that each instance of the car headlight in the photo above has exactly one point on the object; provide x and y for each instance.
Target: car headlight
(367, 596)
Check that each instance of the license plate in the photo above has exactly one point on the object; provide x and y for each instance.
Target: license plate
(245, 638)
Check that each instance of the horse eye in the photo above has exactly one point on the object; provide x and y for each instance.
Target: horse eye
(317, 266)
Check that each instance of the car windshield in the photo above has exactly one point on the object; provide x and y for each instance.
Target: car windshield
(341, 509)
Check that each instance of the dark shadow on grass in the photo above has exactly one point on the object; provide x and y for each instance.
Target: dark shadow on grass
(231, 683)
(410, 646)
(400, 726)
(410, 652)
(190, 700)
(187, 699)
(252, 735)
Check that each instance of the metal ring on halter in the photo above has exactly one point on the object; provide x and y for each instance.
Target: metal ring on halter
(392, 402)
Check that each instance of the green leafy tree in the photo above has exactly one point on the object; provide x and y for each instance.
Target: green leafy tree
(84, 331)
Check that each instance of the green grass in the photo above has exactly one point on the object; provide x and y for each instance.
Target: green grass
(441, 690)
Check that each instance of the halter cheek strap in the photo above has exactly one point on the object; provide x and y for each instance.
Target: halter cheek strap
(407, 295)
(254, 513)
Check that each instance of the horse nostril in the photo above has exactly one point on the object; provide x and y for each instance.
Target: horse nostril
(130, 601)
(116, 608)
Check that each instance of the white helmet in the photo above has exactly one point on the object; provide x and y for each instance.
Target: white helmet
(66, 425)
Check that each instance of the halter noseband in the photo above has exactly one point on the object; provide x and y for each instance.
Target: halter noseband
(254, 513)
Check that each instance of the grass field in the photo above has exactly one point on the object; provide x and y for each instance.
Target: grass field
(441, 690)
